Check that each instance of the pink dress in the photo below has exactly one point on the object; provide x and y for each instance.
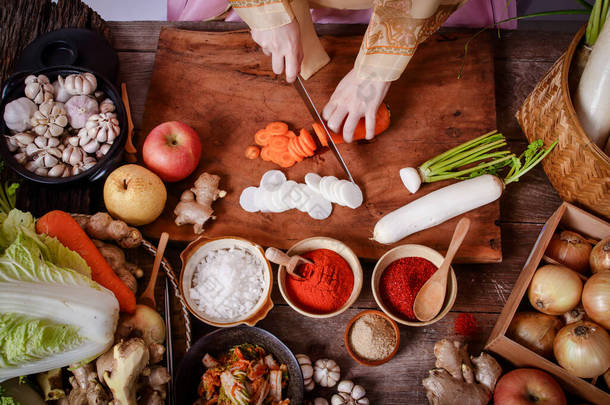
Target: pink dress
(475, 13)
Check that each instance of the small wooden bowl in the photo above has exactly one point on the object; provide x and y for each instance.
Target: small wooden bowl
(413, 251)
(193, 254)
(349, 347)
(321, 242)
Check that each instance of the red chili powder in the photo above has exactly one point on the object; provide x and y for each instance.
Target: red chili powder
(401, 281)
(326, 284)
(465, 324)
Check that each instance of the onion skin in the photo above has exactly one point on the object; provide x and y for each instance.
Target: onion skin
(599, 260)
(535, 331)
(596, 298)
(570, 249)
(583, 349)
(554, 290)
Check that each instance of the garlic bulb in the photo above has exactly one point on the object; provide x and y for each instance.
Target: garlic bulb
(79, 109)
(349, 394)
(50, 119)
(18, 114)
(326, 372)
(38, 89)
(105, 127)
(61, 94)
(306, 370)
(107, 106)
(82, 83)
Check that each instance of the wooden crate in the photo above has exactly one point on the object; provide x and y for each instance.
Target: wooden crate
(579, 221)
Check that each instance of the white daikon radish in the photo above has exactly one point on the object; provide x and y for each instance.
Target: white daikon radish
(410, 178)
(438, 207)
(313, 181)
(272, 180)
(247, 200)
(351, 194)
(592, 101)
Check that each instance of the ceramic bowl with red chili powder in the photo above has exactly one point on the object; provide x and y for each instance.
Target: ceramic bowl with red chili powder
(398, 276)
(328, 286)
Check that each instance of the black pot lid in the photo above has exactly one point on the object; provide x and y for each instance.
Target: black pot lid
(71, 46)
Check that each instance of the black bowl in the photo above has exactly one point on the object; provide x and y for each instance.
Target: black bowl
(191, 369)
(14, 89)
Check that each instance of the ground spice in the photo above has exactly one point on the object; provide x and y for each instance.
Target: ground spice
(326, 285)
(372, 337)
(401, 281)
(465, 324)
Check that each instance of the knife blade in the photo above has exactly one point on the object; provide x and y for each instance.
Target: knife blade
(298, 84)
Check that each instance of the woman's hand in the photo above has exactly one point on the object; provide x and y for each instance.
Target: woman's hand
(355, 98)
(285, 47)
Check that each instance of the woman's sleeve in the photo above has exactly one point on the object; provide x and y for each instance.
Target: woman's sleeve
(263, 14)
(397, 27)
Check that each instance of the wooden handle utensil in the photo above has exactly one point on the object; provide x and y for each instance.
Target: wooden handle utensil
(290, 262)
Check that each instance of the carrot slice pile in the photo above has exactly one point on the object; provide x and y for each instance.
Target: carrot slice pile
(280, 145)
(277, 128)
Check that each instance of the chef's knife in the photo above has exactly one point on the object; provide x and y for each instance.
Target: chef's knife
(298, 84)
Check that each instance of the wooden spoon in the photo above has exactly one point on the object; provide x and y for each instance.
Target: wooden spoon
(148, 296)
(430, 298)
(129, 148)
(290, 262)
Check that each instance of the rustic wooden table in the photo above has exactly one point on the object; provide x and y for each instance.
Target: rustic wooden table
(521, 58)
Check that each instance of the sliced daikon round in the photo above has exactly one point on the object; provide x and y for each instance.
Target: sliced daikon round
(304, 195)
(247, 199)
(325, 184)
(313, 181)
(351, 194)
(261, 200)
(319, 208)
(272, 180)
(278, 202)
(287, 195)
(336, 193)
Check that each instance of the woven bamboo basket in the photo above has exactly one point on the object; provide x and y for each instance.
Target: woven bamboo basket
(578, 169)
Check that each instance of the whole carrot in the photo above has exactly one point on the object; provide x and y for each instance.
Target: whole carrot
(61, 225)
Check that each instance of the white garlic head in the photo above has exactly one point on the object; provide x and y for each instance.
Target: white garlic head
(72, 155)
(104, 126)
(349, 394)
(79, 109)
(38, 89)
(326, 372)
(50, 119)
(18, 114)
(80, 84)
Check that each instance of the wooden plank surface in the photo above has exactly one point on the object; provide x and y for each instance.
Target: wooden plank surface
(224, 88)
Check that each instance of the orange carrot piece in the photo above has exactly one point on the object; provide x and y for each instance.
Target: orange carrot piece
(265, 155)
(277, 128)
(317, 128)
(290, 134)
(252, 152)
(299, 148)
(279, 142)
(61, 225)
(308, 151)
(305, 135)
(262, 137)
(293, 151)
(285, 159)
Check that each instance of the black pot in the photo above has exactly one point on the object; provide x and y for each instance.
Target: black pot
(14, 88)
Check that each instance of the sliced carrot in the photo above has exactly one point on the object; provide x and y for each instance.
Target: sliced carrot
(279, 142)
(294, 153)
(252, 152)
(262, 137)
(290, 134)
(305, 135)
(320, 134)
(277, 128)
(285, 159)
(298, 149)
(308, 151)
(265, 155)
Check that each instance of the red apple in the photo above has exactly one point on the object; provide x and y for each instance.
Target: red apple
(525, 386)
(172, 150)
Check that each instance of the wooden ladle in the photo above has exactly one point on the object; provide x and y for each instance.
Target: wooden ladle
(430, 298)
(290, 262)
(148, 296)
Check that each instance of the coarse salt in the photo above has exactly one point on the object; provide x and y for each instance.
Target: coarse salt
(228, 283)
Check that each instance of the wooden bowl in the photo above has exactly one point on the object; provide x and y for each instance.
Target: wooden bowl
(192, 255)
(321, 242)
(413, 251)
(349, 347)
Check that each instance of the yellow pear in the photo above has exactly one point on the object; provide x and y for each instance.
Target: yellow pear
(134, 194)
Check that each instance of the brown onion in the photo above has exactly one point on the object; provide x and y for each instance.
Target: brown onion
(583, 349)
(599, 260)
(571, 250)
(554, 290)
(535, 331)
(596, 298)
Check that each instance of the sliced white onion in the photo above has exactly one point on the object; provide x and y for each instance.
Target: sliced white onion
(410, 178)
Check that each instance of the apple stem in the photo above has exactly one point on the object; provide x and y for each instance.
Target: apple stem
(125, 184)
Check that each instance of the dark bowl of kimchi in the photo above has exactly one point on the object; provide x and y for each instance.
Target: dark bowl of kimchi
(191, 369)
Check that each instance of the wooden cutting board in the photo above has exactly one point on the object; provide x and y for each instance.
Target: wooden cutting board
(223, 86)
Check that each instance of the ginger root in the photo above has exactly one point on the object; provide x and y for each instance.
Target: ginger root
(195, 206)
(460, 379)
(129, 359)
(50, 382)
(103, 227)
(115, 257)
(86, 388)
